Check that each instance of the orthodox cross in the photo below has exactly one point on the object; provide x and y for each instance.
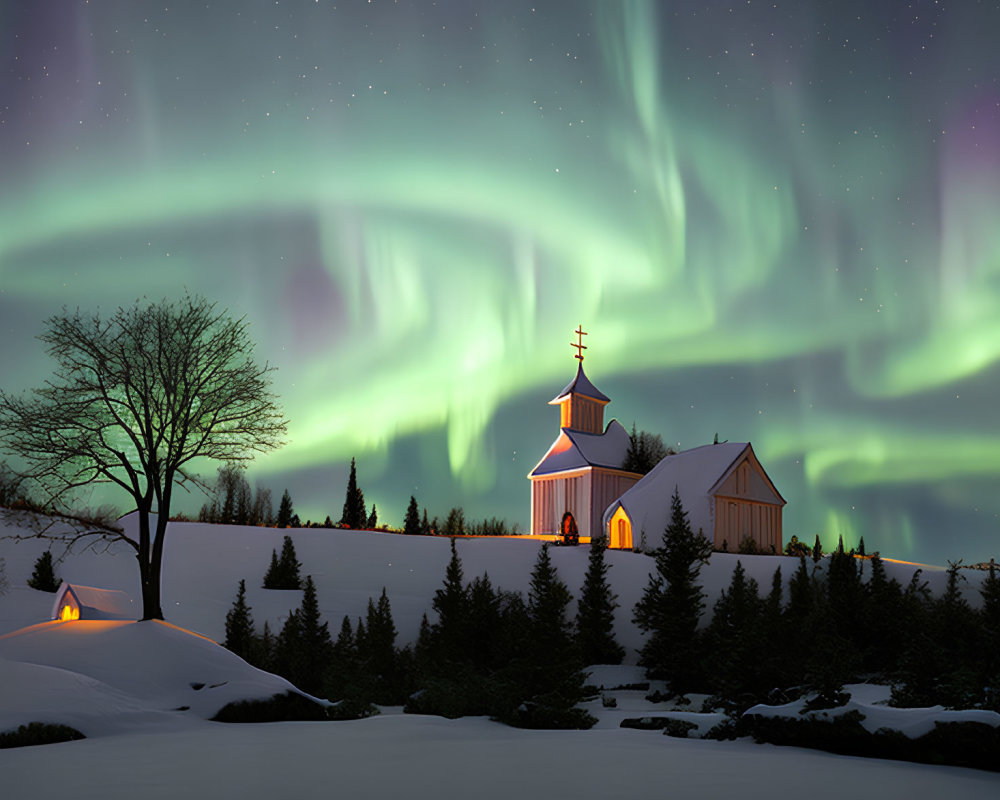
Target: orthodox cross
(579, 345)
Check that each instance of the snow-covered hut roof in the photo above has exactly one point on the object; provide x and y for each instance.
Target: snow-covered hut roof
(580, 385)
(694, 473)
(576, 450)
(93, 603)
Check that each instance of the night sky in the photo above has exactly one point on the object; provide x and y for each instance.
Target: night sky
(778, 222)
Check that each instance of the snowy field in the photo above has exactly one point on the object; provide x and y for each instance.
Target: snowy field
(142, 693)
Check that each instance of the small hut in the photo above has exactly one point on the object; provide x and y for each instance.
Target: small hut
(88, 602)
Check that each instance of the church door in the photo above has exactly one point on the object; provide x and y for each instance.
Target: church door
(570, 533)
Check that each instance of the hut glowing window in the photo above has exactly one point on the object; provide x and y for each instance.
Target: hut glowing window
(69, 613)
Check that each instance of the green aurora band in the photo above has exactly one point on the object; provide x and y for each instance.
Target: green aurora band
(768, 233)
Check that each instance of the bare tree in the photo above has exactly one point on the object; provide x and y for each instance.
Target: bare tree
(136, 400)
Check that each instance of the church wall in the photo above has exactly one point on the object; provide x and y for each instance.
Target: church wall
(736, 518)
(608, 486)
(551, 497)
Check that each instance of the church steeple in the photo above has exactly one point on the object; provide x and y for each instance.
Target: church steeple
(581, 404)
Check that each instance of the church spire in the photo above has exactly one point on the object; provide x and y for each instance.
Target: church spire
(581, 404)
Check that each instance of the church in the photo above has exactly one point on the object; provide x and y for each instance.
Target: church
(580, 485)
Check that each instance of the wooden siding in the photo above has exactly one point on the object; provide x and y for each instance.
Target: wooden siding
(553, 496)
(736, 518)
(606, 487)
(581, 413)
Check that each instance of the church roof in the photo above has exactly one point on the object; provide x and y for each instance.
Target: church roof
(580, 385)
(576, 450)
(694, 473)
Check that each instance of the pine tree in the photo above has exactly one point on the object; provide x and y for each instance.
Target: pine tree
(482, 623)
(733, 638)
(379, 653)
(411, 522)
(285, 511)
(43, 578)
(342, 673)
(595, 620)
(454, 525)
(240, 637)
(287, 652)
(315, 645)
(425, 525)
(288, 566)
(451, 605)
(263, 653)
(672, 602)
(550, 670)
(372, 519)
(272, 578)
(861, 546)
(817, 550)
(354, 515)
(883, 635)
(989, 621)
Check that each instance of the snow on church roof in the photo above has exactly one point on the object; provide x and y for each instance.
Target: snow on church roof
(580, 385)
(576, 450)
(693, 473)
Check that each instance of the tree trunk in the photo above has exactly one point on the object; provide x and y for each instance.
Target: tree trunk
(149, 566)
(156, 566)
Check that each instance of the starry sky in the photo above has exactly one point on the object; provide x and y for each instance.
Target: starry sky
(776, 220)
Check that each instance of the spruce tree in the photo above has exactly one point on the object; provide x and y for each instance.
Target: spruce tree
(285, 511)
(451, 605)
(380, 637)
(883, 635)
(411, 522)
(595, 619)
(733, 638)
(551, 672)
(989, 622)
(43, 578)
(272, 578)
(482, 623)
(817, 550)
(354, 515)
(341, 675)
(454, 525)
(287, 653)
(263, 653)
(240, 637)
(672, 602)
(289, 566)
(372, 519)
(314, 643)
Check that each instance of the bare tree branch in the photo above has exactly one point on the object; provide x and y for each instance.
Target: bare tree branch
(133, 400)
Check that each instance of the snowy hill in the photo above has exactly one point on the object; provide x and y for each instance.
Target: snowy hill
(106, 678)
(204, 563)
(123, 685)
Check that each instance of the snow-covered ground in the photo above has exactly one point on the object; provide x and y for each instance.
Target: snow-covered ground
(142, 693)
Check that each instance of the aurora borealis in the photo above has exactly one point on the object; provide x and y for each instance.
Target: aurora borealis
(777, 221)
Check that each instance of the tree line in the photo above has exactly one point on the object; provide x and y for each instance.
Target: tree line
(838, 626)
(485, 650)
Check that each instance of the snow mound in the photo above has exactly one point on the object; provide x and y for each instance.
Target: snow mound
(107, 677)
(869, 701)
